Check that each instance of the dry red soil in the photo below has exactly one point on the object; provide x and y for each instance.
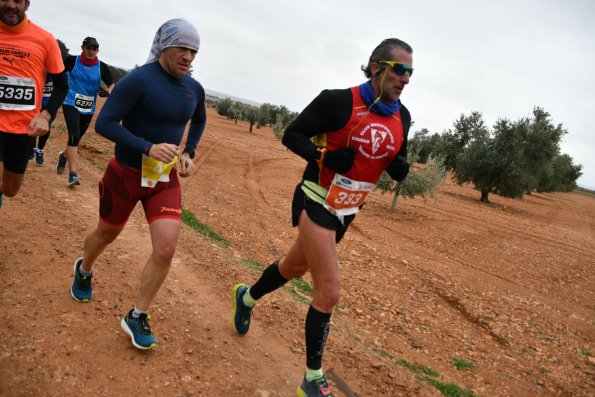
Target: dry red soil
(508, 286)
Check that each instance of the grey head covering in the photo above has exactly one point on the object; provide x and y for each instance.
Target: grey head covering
(174, 33)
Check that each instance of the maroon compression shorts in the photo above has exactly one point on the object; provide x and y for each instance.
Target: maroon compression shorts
(120, 190)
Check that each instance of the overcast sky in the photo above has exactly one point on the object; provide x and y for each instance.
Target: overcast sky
(501, 58)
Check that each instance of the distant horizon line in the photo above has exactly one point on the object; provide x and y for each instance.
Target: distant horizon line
(223, 95)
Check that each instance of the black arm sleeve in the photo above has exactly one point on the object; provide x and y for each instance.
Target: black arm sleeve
(399, 167)
(106, 74)
(58, 95)
(69, 63)
(328, 112)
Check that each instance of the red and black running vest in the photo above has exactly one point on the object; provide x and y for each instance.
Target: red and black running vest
(376, 138)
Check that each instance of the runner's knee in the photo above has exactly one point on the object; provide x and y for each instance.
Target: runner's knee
(327, 296)
(164, 250)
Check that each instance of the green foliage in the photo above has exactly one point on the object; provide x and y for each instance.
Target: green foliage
(278, 127)
(418, 368)
(466, 130)
(585, 353)
(428, 375)
(190, 219)
(511, 159)
(223, 106)
(117, 73)
(541, 145)
(450, 389)
(428, 144)
(462, 363)
(420, 182)
(265, 114)
(251, 114)
(303, 286)
(283, 118)
(252, 264)
(561, 176)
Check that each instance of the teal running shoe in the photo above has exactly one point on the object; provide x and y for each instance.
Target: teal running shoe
(82, 288)
(241, 312)
(139, 330)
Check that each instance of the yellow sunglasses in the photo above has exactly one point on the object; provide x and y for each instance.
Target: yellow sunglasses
(399, 68)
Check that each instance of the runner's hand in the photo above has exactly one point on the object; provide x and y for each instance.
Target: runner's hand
(38, 126)
(185, 165)
(164, 152)
(340, 160)
(398, 168)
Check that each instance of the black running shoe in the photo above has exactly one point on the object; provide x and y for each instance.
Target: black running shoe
(315, 388)
(61, 163)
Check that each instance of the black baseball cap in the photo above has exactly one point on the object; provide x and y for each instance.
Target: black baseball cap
(90, 41)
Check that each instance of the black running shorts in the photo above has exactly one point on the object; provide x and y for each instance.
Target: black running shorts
(15, 150)
(317, 213)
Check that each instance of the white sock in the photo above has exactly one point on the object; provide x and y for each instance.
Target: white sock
(137, 312)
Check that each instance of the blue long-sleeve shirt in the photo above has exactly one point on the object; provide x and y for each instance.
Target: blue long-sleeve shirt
(154, 107)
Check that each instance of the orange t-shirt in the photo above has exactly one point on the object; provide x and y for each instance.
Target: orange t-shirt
(27, 53)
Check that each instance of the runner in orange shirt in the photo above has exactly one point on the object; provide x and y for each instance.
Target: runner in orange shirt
(27, 54)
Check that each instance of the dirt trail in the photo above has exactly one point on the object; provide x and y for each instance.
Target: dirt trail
(508, 286)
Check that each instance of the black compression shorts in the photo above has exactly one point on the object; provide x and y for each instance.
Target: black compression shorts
(317, 213)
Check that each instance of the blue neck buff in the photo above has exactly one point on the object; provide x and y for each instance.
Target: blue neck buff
(382, 108)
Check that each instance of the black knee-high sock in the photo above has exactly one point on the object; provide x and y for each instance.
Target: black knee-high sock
(317, 328)
(270, 280)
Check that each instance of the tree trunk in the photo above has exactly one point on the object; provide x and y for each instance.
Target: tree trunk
(395, 197)
(484, 197)
(251, 124)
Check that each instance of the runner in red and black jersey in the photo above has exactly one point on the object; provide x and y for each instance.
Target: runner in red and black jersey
(349, 138)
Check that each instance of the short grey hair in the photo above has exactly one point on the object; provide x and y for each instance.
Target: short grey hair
(383, 52)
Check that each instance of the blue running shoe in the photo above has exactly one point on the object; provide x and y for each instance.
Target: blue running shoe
(73, 179)
(82, 289)
(39, 156)
(315, 388)
(139, 331)
(241, 312)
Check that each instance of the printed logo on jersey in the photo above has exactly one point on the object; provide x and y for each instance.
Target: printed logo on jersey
(375, 141)
(9, 54)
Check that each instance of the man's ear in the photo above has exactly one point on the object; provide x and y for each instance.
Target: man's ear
(375, 69)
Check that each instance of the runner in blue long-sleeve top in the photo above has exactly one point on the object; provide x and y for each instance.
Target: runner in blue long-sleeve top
(146, 115)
